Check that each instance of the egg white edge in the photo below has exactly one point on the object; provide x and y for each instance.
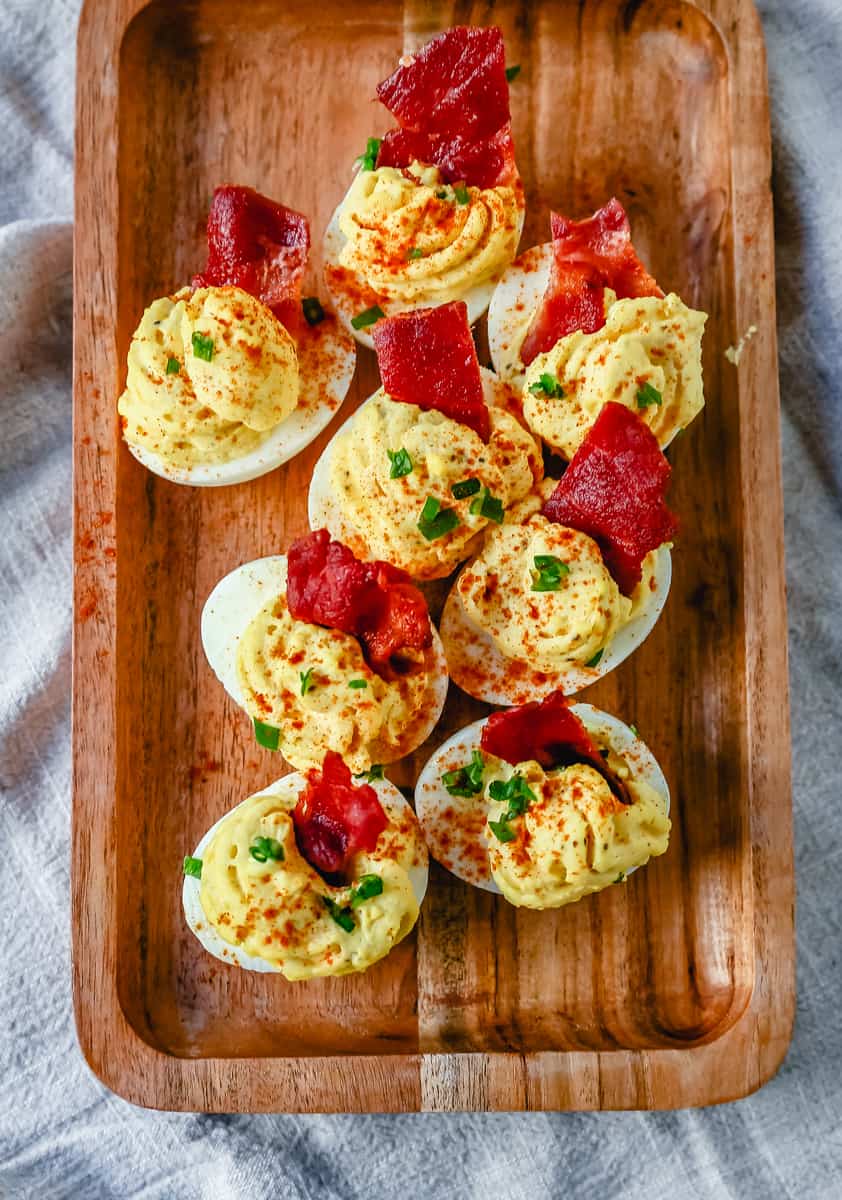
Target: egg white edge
(522, 284)
(481, 648)
(431, 797)
(237, 599)
(324, 509)
(393, 803)
(285, 441)
(477, 297)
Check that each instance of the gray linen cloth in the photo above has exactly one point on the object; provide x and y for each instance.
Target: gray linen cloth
(61, 1133)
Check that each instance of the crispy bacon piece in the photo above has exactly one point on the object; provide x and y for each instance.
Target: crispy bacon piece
(373, 601)
(588, 256)
(428, 357)
(334, 819)
(451, 102)
(614, 490)
(259, 246)
(551, 734)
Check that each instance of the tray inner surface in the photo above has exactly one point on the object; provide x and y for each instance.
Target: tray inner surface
(618, 99)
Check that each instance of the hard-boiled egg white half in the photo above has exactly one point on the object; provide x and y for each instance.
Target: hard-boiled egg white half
(327, 359)
(242, 594)
(347, 304)
(289, 787)
(454, 826)
(479, 667)
(513, 305)
(324, 507)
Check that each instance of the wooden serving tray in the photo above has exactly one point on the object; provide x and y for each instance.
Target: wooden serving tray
(674, 990)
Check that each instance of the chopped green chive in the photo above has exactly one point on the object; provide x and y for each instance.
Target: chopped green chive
(370, 316)
(202, 346)
(595, 661)
(502, 831)
(549, 385)
(648, 395)
(192, 866)
(551, 571)
(173, 366)
(365, 888)
(264, 848)
(436, 521)
(513, 72)
(414, 252)
(342, 916)
(368, 160)
(401, 463)
(306, 678)
(465, 488)
(463, 196)
(516, 791)
(375, 772)
(487, 506)
(634, 730)
(311, 306)
(465, 781)
(357, 683)
(266, 735)
(517, 795)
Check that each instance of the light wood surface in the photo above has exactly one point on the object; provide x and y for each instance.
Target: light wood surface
(676, 989)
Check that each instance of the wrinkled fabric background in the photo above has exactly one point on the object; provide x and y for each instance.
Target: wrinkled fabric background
(61, 1133)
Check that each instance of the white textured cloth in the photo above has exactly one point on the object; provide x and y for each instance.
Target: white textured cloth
(61, 1133)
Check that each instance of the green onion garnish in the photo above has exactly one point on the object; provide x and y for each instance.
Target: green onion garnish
(487, 506)
(202, 346)
(634, 730)
(266, 735)
(467, 780)
(513, 72)
(368, 160)
(357, 683)
(173, 366)
(648, 395)
(414, 252)
(465, 488)
(311, 306)
(370, 316)
(401, 463)
(342, 916)
(192, 866)
(594, 662)
(551, 571)
(375, 772)
(264, 848)
(516, 791)
(366, 887)
(549, 385)
(436, 521)
(306, 678)
(502, 831)
(463, 196)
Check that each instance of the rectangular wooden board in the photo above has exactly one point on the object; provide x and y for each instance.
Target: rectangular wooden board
(677, 989)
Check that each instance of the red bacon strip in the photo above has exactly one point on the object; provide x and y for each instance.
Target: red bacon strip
(428, 357)
(451, 102)
(548, 732)
(259, 246)
(588, 256)
(614, 490)
(373, 601)
(334, 819)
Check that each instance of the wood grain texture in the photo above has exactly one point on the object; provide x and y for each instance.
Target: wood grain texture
(677, 989)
